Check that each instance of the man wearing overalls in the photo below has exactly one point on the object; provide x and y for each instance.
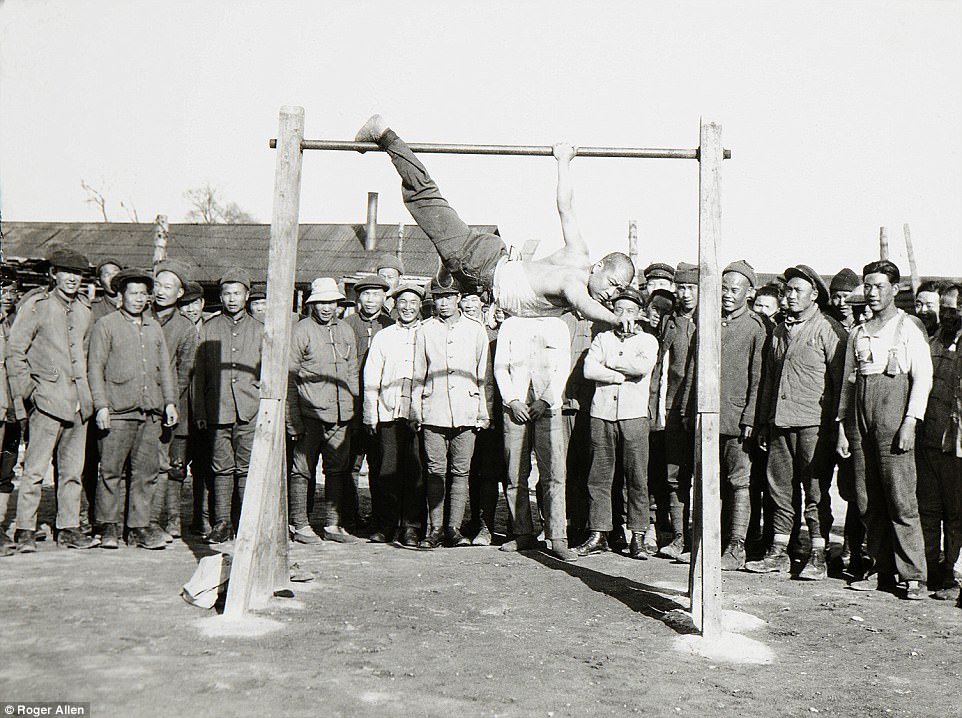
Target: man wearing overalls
(888, 376)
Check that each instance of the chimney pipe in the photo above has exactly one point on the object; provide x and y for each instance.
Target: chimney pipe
(370, 240)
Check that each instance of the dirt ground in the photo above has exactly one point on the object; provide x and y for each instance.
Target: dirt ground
(386, 631)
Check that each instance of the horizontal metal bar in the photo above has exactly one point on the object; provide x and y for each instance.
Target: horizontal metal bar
(515, 150)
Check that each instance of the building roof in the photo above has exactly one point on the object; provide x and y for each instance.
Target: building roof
(333, 250)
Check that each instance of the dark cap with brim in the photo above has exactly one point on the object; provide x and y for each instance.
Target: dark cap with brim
(439, 290)
(258, 291)
(192, 292)
(659, 270)
(131, 274)
(372, 281)
(409, 287)
(662, 300)
(69, 260)
(631, 294)
(803, 271)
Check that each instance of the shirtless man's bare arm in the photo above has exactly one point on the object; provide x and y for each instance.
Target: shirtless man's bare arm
(578, 298)
(575, 251)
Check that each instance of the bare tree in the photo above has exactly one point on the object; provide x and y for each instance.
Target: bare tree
(95, 197)
(208, 208)
(130, 209)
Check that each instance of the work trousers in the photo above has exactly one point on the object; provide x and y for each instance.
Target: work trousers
(331, 442)
(892, 523)
(363, 446)
(800, 457)
(465, 252)
(9, 454)
(49, 436)
(658, 494)
(629, 437)
(546, 435)
(851, 488)
(577, 426)
(487, 475)
(448, 452)
(172, 469)
(736, 469)
(939, 493)
(679, 464)
(136, 440)
(201, 478)
(400, 484)
(231, 446)
(760, 523)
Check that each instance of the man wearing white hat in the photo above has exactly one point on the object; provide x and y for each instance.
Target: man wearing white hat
(321, 393)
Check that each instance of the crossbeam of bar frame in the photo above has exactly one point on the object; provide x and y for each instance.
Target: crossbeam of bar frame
(260, 564)
(506, 150)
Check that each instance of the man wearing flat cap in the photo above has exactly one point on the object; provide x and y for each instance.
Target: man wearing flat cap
(797, 408)
(109, 300)
(743, 340)
(370, 318)
(191, 306)
(226, 396)
(322, 395)
(659, 276)
(677, 367)
(620, 364)
(134, 396)
(388, 383)
(390, 269)
(171, 276)
(448, 401)
(47, 374)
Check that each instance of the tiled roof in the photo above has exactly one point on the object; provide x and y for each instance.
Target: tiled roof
(335, 250)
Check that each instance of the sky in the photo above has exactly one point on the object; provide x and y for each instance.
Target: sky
(842, 117)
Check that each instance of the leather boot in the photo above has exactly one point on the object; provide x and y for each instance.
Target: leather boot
(560, 550)
(173, 507)
(776, 560)
(733, 558)
(431, 540)
(596, 542)
(816, 569)
(638, 548)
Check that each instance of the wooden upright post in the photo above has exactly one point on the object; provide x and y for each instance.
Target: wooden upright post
(633, 247)
(161, 231)
(705, 572)
(883, 243)
(913, 267)
(260, 552)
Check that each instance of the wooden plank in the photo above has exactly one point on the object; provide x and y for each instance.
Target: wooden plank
(706, 555)
(260, 564)
(883, 243)
(913, 268)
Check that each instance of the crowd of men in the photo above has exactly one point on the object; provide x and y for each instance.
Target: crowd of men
(448, 400)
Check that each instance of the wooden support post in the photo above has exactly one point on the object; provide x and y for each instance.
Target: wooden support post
(883, 243)
(913, 268)
(633, 247)
(260, 552)
(161, 230)
(705, 572)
